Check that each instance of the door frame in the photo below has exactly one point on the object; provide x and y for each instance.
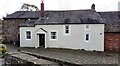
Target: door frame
(38, 39)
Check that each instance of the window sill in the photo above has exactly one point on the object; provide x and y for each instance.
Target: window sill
(28, 39)
(53, 39)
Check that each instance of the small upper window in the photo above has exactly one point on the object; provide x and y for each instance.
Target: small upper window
(53, 35)
(87, 26)
(67, 29)
(28, 34)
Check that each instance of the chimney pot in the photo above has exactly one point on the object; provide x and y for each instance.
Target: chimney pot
(93, 6)
(42, 9)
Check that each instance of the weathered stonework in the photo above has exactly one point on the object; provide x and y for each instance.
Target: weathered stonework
(11, 30)
(112, 42)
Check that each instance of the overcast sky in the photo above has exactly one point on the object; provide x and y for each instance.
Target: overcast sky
(10, 6)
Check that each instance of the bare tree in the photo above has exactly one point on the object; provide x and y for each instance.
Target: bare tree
(29, 7)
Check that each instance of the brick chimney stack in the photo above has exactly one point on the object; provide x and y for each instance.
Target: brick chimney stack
(42, 9)
(93, 6)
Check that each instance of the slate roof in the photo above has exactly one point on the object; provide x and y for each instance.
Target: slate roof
(70, 17)
(28, 23)
(110, 19)
(23, 15)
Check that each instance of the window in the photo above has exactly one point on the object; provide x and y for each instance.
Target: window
(28, 34)
(87, 37)
(87, 26)
(67, 29)
(53, 35)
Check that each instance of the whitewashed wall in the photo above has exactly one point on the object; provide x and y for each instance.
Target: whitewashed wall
(25, 42)
(76, 39)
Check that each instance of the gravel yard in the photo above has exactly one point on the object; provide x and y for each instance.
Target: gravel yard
(71, 56)
(76, 56)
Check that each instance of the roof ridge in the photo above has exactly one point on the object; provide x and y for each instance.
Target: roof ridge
(59, 10)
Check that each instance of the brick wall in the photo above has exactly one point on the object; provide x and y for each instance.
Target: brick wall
(11, 30)
(112, 42)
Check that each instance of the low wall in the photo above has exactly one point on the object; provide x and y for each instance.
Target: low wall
(20, 59)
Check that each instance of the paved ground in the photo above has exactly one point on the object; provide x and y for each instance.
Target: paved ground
(73, 56)
(76, 56)
(11, 49)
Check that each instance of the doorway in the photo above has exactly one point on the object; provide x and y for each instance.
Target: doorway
(42, 40)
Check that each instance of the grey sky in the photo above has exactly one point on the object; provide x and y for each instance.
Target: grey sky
(10, 6)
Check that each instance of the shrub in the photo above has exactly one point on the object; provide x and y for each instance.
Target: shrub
(3, 49)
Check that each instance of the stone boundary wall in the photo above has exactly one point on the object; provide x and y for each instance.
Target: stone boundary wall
(11, 30)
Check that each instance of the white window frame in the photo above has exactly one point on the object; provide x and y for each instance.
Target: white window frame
(26, 34)
(66, 29)
(56, 34)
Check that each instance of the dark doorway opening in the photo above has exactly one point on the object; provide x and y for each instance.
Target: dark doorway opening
(41, 40)
(18, 41)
